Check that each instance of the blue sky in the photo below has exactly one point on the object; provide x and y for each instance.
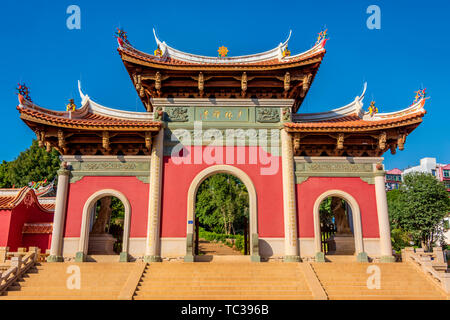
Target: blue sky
(410, 51)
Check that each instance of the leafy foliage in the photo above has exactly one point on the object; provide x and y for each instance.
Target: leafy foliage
(419, 207)
(220, 237)
(33, 164)
(222, 204)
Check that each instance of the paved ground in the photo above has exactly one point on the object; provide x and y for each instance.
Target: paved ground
(219, 249)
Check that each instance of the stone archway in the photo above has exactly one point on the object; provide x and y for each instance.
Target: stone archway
(356, 214)
(86, 218)
(253, 208)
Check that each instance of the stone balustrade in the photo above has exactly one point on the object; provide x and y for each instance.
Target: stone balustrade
(14, 264)
(431, 263)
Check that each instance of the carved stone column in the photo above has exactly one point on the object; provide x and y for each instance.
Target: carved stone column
(152, 252)
(60, 214)
(383, 215)
(291, 250)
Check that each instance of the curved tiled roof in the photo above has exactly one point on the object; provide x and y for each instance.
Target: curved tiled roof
(90, 116)
(11, 198)
(358, 122)
(172, 57)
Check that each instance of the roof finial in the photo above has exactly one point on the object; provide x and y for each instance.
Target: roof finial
(82, 95)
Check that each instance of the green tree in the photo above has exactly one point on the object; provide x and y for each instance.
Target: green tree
(419, 208)
(222, 204)
(33, 164)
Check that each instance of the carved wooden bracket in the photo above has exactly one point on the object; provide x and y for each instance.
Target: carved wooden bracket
(105, 141)
(296, 142)
(148, 140)
(306, 81)
(382, 140)
(401, 141)
(62, 142)
(40, 135)
(201, 83)
(340, 141)
(244, 84)
(287, 81)
(158, 83)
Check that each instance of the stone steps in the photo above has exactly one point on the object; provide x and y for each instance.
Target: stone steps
(398, 281)
(48, 281)
(224, 281)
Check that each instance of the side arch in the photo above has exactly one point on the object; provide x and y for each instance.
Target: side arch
(253, 207)
(86, 218)
(356, 213)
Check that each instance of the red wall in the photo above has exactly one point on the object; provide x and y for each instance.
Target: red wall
(311, 189)
(5, 219)
(178, 178)
(135, 190)
(12, 221)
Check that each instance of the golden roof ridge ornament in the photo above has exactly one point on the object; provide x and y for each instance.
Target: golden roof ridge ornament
(223, 51)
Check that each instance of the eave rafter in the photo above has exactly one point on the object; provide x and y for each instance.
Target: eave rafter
(355, 143)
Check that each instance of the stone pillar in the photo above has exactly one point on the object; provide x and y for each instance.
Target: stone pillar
(60, 214)
(383, 215)
(152, 253)
(291, 252)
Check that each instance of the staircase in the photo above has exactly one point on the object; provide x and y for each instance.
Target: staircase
(399, 281)
(48, 281)
(223, 281)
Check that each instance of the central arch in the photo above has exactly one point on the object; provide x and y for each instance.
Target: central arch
(253, 208)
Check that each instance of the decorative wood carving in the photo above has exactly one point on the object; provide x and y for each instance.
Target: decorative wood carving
(244, 84)
(340, 141)
(296, 141)
(401, 141)
(148, 140)
(287, 82)
(105, 141)
(158, 83)
(201, 83)
(382, 140)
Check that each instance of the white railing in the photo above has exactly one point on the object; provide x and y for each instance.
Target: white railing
(18, 265)
(431, 263)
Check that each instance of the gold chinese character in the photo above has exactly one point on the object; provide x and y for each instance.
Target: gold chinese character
(205, 114)
(239, 114)
(229, 115)
(216, 114)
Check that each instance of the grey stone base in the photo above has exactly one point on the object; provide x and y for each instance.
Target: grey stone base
(362, 257)
(189, 258)
(149, 259)
(54, 258)
(80, 257)
(320, 257)
(292, 259)
(387, 259)
(255, 258)
(123, 257)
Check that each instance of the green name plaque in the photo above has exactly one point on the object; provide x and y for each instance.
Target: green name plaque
(222, 114)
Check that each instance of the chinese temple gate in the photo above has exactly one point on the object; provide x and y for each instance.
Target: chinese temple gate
(208, 115)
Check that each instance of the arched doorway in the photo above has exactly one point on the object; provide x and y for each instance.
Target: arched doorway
(252, 205)
(94, 227)
(221, 217)
(337, 226)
